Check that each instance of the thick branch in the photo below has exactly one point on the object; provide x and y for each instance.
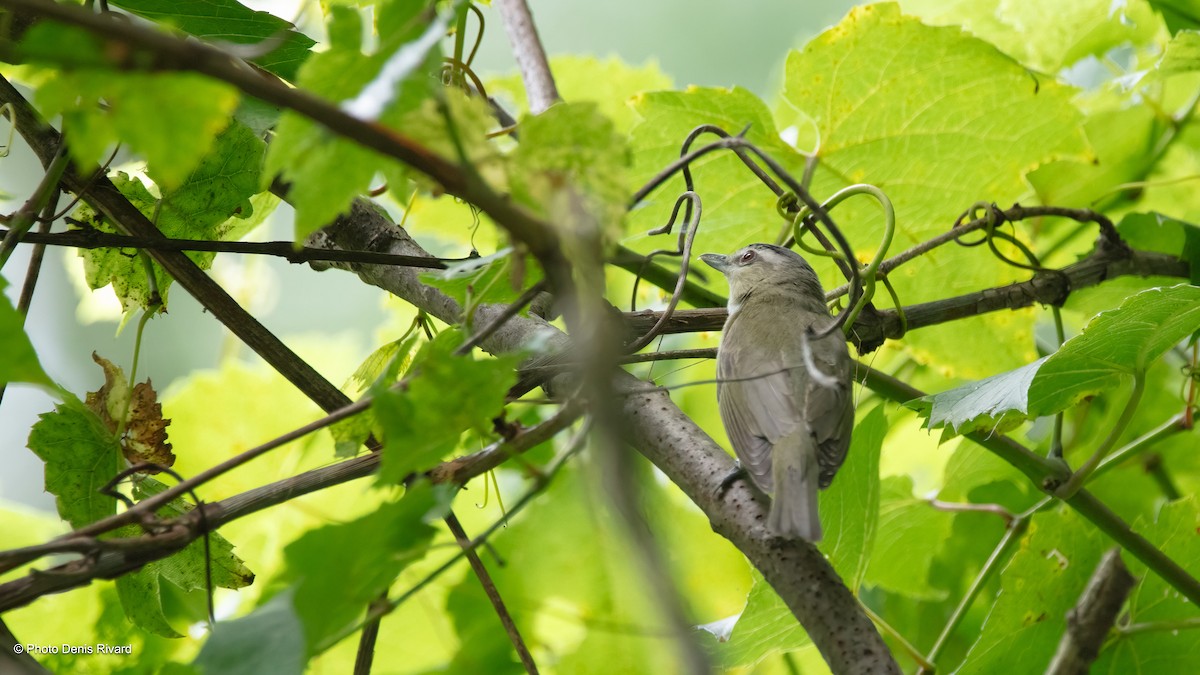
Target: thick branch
(668, 438)
(1090, 620)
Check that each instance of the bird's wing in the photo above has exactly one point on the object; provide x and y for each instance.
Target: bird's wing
(829, 411)
(758, 406)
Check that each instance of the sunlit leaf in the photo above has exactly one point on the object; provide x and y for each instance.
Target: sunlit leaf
(609, 83)
(570, 158)
(172, 119)
(230, 21)
(445, 396)
(1045, 36)
(1115, 345)
(20, 362)
(896, 104)
(81, 456)
(338, 569)
(326, 171)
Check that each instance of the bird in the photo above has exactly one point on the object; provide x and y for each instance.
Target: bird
(789, 415)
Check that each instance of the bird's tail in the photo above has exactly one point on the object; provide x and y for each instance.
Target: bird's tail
(794, 502)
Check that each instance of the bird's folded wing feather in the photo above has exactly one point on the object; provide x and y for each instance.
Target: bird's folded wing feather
(829, 411)
(758, 406)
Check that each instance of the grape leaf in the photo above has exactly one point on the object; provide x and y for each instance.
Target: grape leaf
(1046, 36)
(231, 21)
(81, 456)
(268, 640)
(212, 204)
(897, 105)
(172, 119)
(1038, 586)
(1115, 345)
(337, 570)
(445, 396)
(20, 362)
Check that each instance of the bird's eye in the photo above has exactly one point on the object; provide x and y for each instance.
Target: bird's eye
(748, 256)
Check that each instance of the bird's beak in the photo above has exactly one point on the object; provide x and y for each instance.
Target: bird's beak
(716, 261)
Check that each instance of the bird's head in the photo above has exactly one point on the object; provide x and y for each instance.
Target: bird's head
(766, 270)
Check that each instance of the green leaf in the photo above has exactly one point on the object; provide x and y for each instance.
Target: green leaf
(445, 396)
(20, 362)
(81, 456)
(231, 21)
(1119, 139)
(909, 534)
(338, 569)
(1182, 55)
(896, 104)
(213, 204)
(1178, 14)
(849, 508)
(268, 640)
(141, 597)
(765, 627)
(1153, 600)
(1046, 36)
(567, 565)
(326, 171)
(1157, 232)
(996, 403)
(571, 157)
(186, 569)
(1038, 586)
(1115, 345)
(171, 119)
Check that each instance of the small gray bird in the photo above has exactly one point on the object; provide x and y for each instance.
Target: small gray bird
(790, 426)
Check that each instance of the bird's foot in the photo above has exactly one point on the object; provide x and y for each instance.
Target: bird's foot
(738, 473)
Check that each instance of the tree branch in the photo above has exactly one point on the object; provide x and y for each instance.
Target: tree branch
(1047, 288)
(110, 558)
(1090, 620)
(531, 58)
(146, 48)
(93, 239)
(668, 438)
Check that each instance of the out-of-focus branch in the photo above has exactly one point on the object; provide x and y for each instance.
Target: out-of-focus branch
(531, 58)
(1089, 622)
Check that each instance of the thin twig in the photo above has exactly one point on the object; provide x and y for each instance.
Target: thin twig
(94, 239)
(493, 594)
